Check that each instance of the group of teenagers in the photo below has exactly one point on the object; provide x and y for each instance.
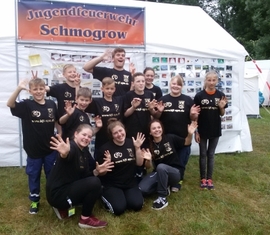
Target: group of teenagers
(142, 138)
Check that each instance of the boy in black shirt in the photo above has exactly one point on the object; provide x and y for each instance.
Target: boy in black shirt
(38, 118)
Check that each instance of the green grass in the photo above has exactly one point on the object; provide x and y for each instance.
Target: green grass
(239, 205)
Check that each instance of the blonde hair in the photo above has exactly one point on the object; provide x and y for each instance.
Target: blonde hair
(211, 72)
(36, 82)
(179, 80)
(85, 92)
(66, 66)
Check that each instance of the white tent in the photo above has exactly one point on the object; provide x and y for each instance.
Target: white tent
(171, 30)
(251, 94)
(263, 73)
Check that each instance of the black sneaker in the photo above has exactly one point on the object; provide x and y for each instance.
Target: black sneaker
(34, 208)
(160, 203)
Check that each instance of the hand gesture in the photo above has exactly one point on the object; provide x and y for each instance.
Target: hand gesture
(59, 145)
(69, 108)
(222, 102)
(98, 121)
(160, 106)
(107, 55)
(34, 75)
(192, 127)
(132, 68)
(23, 84)
(107, 155)
(136, 102)
(104, 167)
(147, 154)
(195, 110)
(152, 104)
(139, 140)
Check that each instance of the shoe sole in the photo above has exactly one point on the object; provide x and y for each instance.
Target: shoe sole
(166, 204)
(89, 226)
(32, 213)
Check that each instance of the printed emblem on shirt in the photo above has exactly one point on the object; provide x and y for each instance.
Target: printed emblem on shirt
(105, 109)
(81, 118)
(130, 152)
(168, 147)
(126, 78)
(156, 151)
(81, 162)
(117, 155)
(181, 104)
(116, 106)
(205, 101)
(168, 104)
(146, 101)
(50, 113)
(114, 77)
(67, 95)
(36, 113)
(216, 101)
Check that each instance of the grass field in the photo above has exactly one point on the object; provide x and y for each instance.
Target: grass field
(239, 205)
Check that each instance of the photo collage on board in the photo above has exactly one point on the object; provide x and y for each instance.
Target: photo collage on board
(193, 71)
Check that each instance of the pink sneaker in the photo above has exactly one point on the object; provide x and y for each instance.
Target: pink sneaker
(203, 184)
(92, 222)
(210, 185)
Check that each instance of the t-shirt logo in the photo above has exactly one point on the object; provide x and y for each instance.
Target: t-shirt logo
(181, 104)
(50, 113)
(205, 101)
(36, 113)
(117, 155)
(168, 147)
(146, 101)
(157, 152)
(126, 78)
(116, 106)
(67, 94)
(130, 152)
(105, 109)
(216, 101)
(81, 118)
(168, 104)
(114, 77)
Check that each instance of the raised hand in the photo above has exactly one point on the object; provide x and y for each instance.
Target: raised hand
(192, 127)
(139, 140)
(107, 55)
(195, 110)
(160, 106)
(98, 121)
(107, 155)
(69, 108)
(222, 102)
(104, 167)
(132, 68)
(59, 145)
(136, 102)
(34, 74)
(147, 154)
(23, 84)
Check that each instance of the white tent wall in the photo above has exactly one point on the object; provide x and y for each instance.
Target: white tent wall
(263, 76)
(251, 94)
(188, 39)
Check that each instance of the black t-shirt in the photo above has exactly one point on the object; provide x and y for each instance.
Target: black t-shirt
(124, 158)
(156, 91)
(176, 114)
(38, 122)
(62, 92)
(77, 165)
(78, 117)
(139, 120)
(209, 121)
(122, 78)
(165, 151)
(106, 110)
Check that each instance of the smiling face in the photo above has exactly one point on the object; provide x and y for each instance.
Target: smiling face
(119, 60)
(176, 85)
(83, 102)
(149, 77)
(38, 93)
(83, 137)
(118, 135)
(70, 73)
(156, 131)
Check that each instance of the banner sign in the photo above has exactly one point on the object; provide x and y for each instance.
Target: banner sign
(80, 23)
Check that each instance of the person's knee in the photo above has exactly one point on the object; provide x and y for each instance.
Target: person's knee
(119, 209)
(161, 167)
(136, 205)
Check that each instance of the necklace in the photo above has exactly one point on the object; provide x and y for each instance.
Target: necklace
(157, 144)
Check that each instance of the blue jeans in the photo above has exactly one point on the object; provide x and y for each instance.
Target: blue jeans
(207, 154)
(33, 170)
(183, 155)
(158, 181)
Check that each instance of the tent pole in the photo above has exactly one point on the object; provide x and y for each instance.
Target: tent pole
(17, 74)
